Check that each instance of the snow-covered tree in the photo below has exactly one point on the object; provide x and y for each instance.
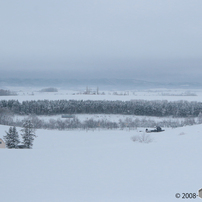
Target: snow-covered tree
(6, 116)
(199, 118)
(28, 134)
(11, 138)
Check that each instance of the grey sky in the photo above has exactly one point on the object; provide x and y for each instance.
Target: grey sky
(101, 38)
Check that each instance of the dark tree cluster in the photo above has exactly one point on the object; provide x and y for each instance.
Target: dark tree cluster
(12, 139)
(133, 107)
(6, 92)
(49, 90)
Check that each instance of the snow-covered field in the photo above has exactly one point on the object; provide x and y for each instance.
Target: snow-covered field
(103, 165)
(152, 94)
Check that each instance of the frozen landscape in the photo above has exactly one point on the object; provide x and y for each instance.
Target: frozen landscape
(103, 164)
(114, 91)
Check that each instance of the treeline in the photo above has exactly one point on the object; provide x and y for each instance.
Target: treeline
(49, 90)
(6, 118)
(127, 123)
(6, 92)
(133, 107)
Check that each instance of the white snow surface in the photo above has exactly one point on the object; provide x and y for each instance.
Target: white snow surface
(24, 94)
(102, 166)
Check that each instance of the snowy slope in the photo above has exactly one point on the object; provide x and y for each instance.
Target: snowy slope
(105, 165)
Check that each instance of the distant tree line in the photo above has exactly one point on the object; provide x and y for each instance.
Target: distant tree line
(129, 123)
(6, 92)
(6, 118)
(49, 90)
(159, 108)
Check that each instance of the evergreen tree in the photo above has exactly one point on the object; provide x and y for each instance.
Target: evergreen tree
(28, 134)
(12, 138)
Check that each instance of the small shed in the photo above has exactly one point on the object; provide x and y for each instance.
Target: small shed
(68, 116)
(2, 144)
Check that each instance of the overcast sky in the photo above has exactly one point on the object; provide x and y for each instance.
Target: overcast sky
(140, 39)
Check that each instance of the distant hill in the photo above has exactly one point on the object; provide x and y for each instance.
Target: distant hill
(105, 84)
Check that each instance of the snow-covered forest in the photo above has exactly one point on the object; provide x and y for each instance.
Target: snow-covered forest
(135, 107)
(173, 113)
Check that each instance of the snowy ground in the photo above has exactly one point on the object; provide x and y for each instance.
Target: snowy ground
(103, 165)
(152, 94)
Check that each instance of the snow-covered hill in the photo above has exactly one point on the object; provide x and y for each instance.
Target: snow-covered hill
(103, 83)
(103, 165)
